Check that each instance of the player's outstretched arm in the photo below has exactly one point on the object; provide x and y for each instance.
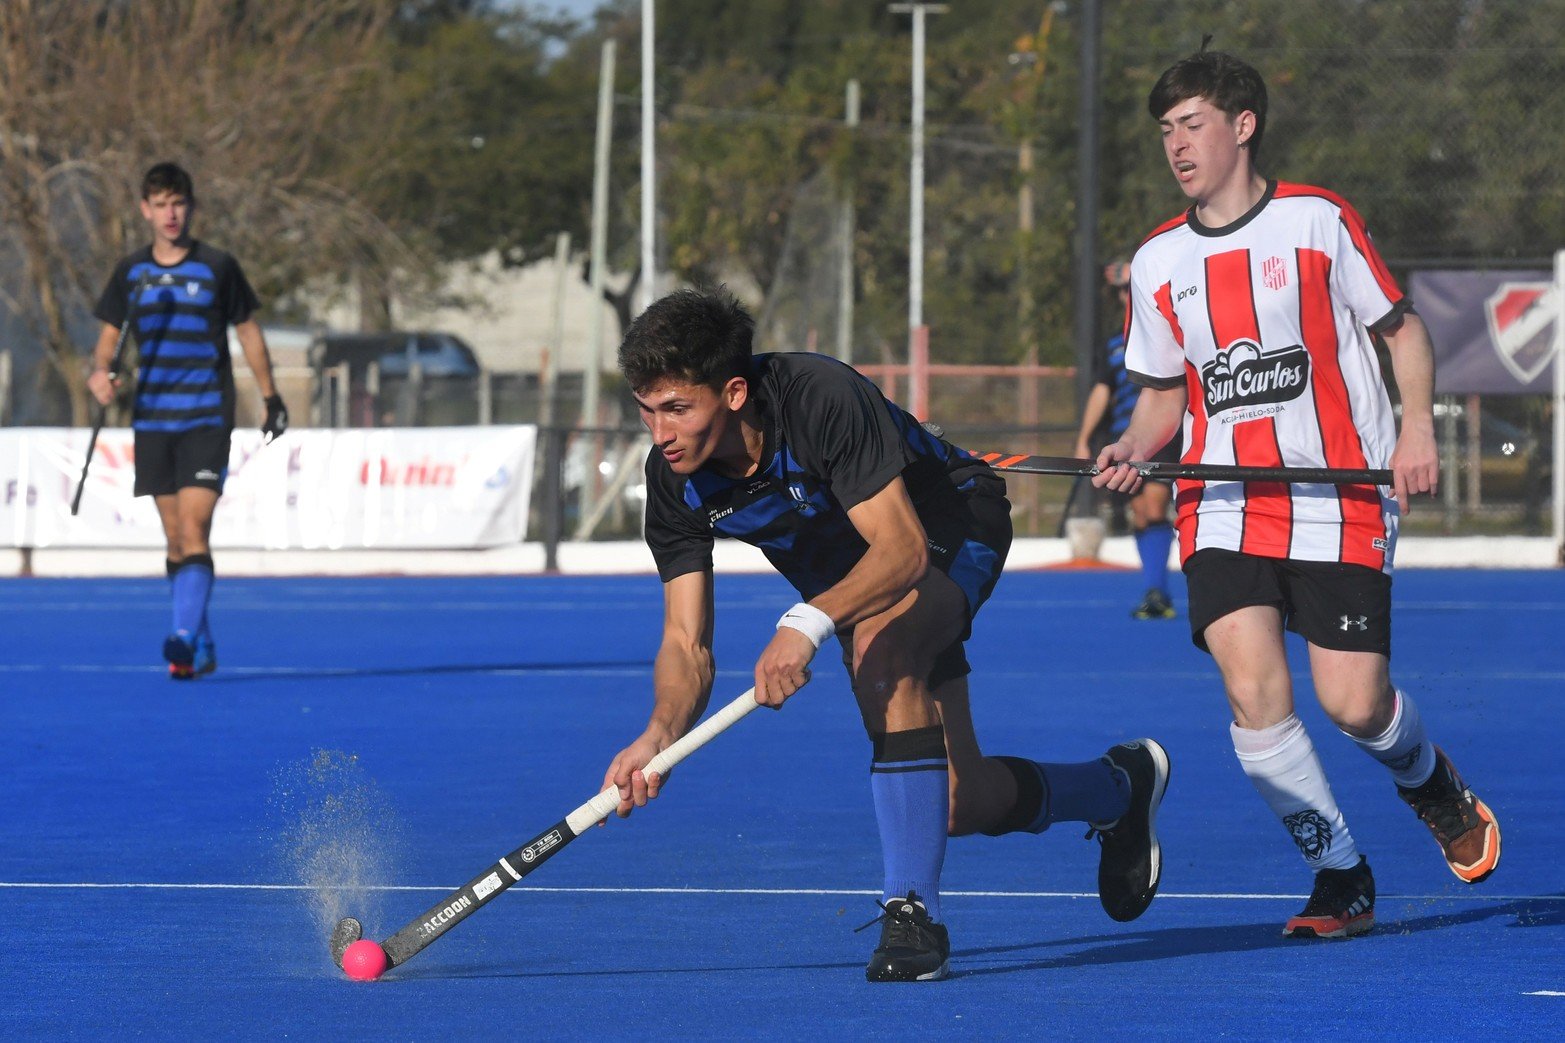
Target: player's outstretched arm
(253, 342)
(682, 679)
(1415, 463)
(1153, 422)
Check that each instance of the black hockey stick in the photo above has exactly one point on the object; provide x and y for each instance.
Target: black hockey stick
(470, 897)
(1021, 463)
(114, 371)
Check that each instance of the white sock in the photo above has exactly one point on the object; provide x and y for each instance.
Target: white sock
(1403, 747)
(1284, 768)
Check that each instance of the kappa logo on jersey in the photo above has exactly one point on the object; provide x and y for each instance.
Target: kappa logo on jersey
(1521, 319)
(1353, 623)
(1274, 273)
(1245, 375)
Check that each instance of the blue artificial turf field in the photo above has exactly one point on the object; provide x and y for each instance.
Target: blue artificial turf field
(168, 846)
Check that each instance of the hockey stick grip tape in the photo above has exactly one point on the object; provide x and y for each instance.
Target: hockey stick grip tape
(600, 807)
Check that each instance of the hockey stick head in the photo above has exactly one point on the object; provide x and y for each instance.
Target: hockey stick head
(347, 931)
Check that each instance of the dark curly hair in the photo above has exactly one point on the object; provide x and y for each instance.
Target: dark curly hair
(692, 336)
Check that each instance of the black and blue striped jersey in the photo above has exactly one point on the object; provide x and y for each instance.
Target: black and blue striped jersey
(1109, 370)
(832, 441)
(180, 318)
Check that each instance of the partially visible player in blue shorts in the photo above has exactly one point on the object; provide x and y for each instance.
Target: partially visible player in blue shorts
(1113, 396)
(893, 539)
(181, 295)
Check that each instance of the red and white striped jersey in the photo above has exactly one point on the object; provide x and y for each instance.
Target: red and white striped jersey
(1264, 322)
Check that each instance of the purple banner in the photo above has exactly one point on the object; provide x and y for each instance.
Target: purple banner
(1493, 332)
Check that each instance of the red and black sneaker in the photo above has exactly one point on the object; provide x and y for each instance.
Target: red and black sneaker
(1463, 825)
(1341, 906)
(180, 651)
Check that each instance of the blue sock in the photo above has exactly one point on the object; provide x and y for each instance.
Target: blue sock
(1152, 543)
(910, 782)
(1094, 791)
(192, 589)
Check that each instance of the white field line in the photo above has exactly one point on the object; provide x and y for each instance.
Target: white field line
(1054, 676)
(774, 891)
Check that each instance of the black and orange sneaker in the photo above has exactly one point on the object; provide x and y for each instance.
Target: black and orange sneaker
(180, 651)
(912, 946)
(1341, 906)
(1463, 825)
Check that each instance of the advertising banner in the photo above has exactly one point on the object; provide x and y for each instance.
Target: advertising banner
(381, 488)
(1493, 332)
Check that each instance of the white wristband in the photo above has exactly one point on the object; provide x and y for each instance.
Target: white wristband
(809, 621)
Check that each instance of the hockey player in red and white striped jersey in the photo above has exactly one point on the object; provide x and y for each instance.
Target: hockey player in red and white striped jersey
(1250, 324)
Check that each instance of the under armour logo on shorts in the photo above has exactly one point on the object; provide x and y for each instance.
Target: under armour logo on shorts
(1354, 623)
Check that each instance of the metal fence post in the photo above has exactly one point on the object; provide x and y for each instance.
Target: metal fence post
(553, 501)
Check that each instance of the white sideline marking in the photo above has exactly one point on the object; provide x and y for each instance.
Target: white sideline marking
(782, 891)
(1543, 992)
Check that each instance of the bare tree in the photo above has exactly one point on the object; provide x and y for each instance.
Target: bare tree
(263, 102)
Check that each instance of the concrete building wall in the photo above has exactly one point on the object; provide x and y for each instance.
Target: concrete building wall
(510, 318)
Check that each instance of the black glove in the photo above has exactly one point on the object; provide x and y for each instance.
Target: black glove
(276, 419)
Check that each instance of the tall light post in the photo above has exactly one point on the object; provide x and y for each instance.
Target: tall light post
(918, 333)
(649, 175)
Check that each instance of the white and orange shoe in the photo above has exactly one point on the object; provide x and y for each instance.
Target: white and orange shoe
(1463, 825)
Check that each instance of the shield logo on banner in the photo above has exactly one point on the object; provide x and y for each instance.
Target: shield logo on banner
(1521, 326)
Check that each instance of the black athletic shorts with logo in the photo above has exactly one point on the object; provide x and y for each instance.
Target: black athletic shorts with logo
(168, 461)
(1330, 604)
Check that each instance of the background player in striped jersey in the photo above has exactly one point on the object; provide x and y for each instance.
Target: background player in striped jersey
(1250, 321)
(893, 539)
(1112, 398)
(184, 407)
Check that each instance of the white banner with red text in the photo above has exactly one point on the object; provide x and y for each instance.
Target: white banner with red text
(374, 488)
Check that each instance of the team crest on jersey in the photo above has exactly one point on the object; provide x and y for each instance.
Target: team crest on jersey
(1245, 375)
(801, 499)
(1274, 273)
(192, 288)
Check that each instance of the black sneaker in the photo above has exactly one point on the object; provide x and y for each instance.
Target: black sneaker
(1154, 606)
(1131, 861)
(1341, 906)
(912, 946)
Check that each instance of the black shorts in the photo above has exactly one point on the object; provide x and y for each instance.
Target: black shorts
(1330, 604)
(969, 544)
(168, 461)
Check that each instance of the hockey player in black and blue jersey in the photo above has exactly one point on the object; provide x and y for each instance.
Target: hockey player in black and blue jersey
(893, 538)
(180, 296)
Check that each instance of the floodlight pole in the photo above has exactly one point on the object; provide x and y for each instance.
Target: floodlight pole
(1088, 274)
(592, 371)
(649, 278)
(918, 333)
